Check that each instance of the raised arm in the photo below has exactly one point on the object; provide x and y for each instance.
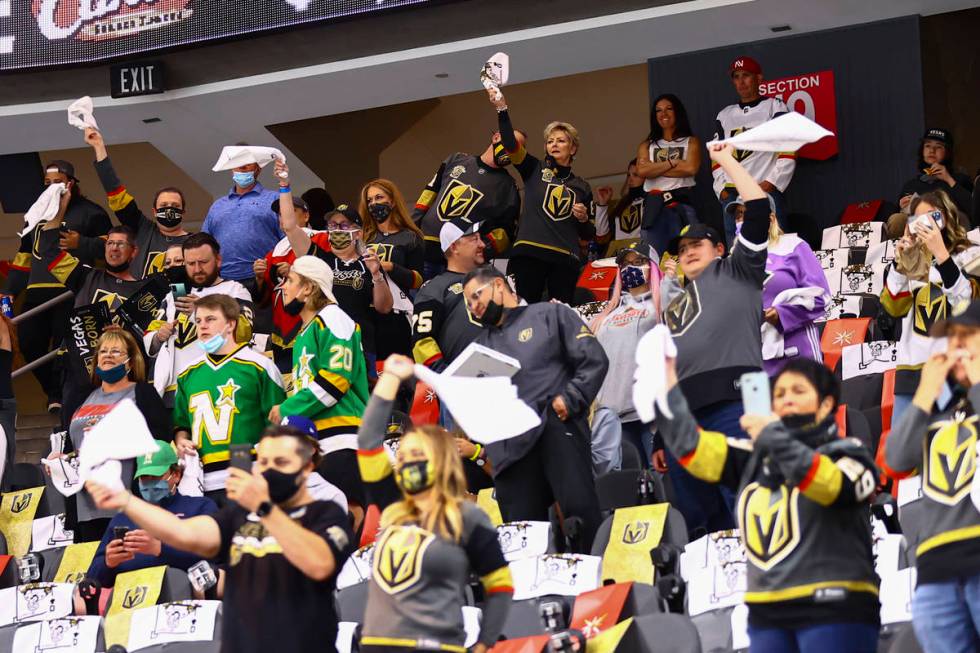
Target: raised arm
(428, 195)
(372, 459)
(524, 162)
(120, 201)
(299, 240)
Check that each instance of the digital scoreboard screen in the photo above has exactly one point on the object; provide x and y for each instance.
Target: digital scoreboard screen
(45, 33)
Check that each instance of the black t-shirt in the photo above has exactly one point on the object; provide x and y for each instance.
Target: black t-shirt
(354, 290)
(270, 606)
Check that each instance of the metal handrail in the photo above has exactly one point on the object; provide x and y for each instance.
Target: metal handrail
(40, 308)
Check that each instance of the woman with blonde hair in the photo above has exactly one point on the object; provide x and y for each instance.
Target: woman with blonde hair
(928, 278)
(430, 540)
(556, 213)
(118, 372)
(400, 245)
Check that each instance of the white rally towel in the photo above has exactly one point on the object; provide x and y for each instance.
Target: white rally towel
(81, 114)
(192, 482)
(45, 208)
(234, 156)
(120, 435)
(650, 377)
(467, 400)
(495, 73)
(772, 338)
(786, 133)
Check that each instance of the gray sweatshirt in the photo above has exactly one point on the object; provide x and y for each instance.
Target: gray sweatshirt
(619, 334)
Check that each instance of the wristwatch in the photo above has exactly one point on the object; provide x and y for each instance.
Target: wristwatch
(264, 509)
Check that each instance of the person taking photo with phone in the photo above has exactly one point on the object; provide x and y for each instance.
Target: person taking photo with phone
(283, 547)
(125, 547)
(803, 497)
(927, 279)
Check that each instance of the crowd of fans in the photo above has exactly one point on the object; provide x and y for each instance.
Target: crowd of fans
(300, 341)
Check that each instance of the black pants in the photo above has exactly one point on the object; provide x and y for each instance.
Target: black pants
(8, 418)
(40, 334)
(533, 275)
(558, 468)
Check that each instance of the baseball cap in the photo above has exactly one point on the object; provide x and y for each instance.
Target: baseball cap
(348, 212)
(157, 463)
(398, 424)
(699, 231)
(456, 229)
(297, 202)
(316, 271)
(938, 134)
(61, 166)
(745, 63)
(967, 315)
(301, 423)
(641, 247)
(730, 209)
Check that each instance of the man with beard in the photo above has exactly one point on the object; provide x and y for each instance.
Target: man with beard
(91, 285)
(152, 238)
(477, 189)
(172, 338)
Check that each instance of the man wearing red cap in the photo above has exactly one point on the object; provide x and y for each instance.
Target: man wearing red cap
(772, 170)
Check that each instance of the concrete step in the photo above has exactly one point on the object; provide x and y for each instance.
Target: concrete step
(33, 436)
(37, 420)
(32, 450)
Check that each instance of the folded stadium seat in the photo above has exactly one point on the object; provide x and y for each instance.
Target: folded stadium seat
(535, 644)
(597, 279)
(8, 572)
(3, 544)
(369, 528)
(619, 489)
(202, 646)
(869, 211)
(714, 630)
(667, 633)
(351, 602)
(905, 641)
(675, 532)
(7, 637)
(837, 334)
(632, 459)
(52, 560)
(523, 620)
(600, 609)
(27, 475)
(425, 405)
(176, 586)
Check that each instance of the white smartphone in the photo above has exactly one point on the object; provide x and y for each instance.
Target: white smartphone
(756, 398)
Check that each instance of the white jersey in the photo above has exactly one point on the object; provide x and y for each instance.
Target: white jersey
(664, 150)
(775, 167)
(625, 226)
(181, 350)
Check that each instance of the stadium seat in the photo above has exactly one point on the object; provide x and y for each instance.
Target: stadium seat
(632, 458)
(871, 211)
(667, 633)
(675, 532)
(26, 475)
(425, 405)
(203, 646)
(7, 638)
(851, 423)
(351, 602)
(618, 489)
(52, 560)
(598, 280)
(369, 528)
(523, 620)
(714, 629)
(837, 334)
(905, 641)
(8, 572)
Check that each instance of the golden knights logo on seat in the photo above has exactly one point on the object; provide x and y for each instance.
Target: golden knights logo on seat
(950, 459)
(398, 557)
(558, 201)
(683, 311)
(635, 532)
(770, 523)
(458, 201)
(929, 307)
(20, 502)
(134, 596)
(629, 219)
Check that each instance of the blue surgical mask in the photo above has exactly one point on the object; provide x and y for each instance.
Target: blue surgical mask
(243, 179)
(156, 491)
(113, 374)
(633, 276)
(212, 345)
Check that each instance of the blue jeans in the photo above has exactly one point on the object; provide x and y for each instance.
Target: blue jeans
(839, 638)
(946, 616)
(707, 507)
(639, 434)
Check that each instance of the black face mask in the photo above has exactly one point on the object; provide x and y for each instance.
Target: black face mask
(169, 217)
(802, 422)
(500, 156)
(809, 431)
(294, 307)
(492, 314)
(282, 486)
(379, 212)
(122, 267)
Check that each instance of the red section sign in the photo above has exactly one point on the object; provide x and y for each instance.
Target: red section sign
(811, 94)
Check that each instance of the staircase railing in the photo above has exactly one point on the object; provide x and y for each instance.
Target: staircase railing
(40, 308)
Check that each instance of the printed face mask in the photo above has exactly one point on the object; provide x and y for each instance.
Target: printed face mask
(415, 476)
(379, 212)
(633, 276)
(340, 239)
(169, 216)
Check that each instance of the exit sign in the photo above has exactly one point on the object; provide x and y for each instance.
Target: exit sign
(129, 80)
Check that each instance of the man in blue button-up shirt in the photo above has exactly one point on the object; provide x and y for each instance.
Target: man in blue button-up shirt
(244, 224)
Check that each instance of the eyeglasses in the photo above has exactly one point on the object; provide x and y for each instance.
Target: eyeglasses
(111, 353)
(475, 295)
(116, 244)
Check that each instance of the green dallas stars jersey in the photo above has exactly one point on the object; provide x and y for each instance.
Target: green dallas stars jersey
(329, 374)
(225, 400)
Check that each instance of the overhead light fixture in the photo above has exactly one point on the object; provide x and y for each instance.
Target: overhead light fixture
(780, 28)
(442, 75)
(151, 120)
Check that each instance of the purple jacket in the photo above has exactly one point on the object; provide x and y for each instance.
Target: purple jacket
(792, 264)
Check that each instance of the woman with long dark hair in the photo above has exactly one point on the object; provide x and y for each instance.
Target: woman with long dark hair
(803, 495)
(433, 529)
(668, 160)
(555, 215)
(936, 171)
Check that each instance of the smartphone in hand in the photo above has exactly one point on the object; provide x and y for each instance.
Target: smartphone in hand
(241, 457)
(119, 532)
(756, 397)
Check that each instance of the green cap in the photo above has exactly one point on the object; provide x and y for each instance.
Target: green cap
(157, 463)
